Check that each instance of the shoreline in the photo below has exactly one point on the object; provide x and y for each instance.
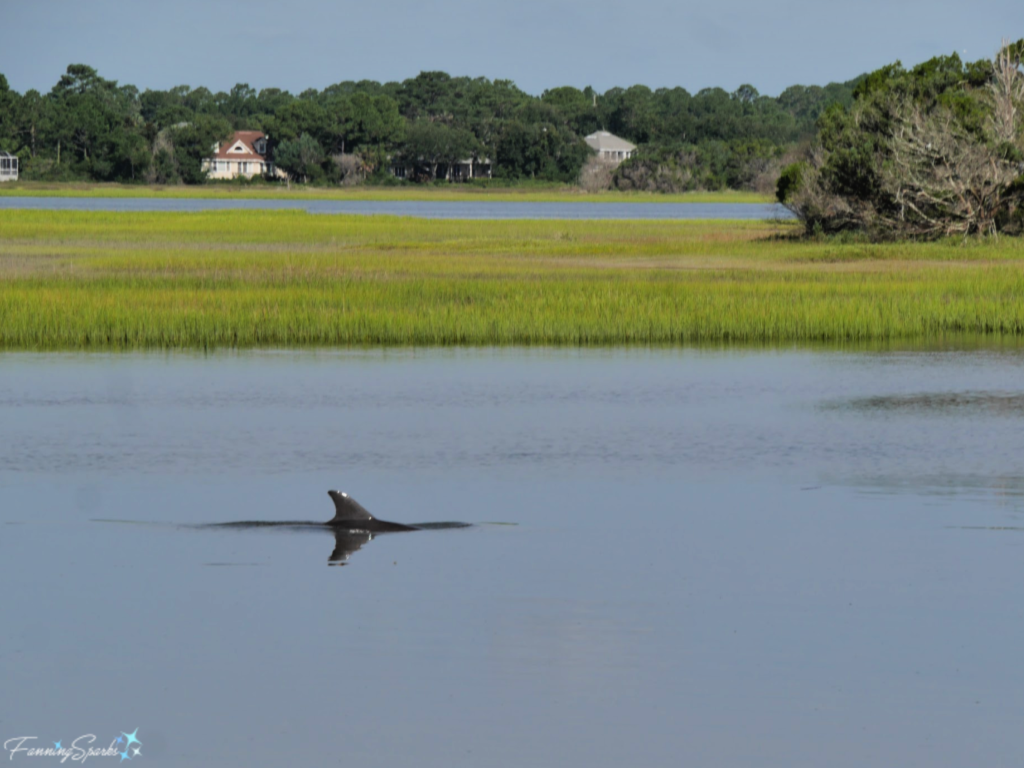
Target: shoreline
(453, 192)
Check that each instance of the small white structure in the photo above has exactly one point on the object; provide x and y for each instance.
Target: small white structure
(8, 166)
(472, 168)
(244, 154)
(463, 170)
(609, 147)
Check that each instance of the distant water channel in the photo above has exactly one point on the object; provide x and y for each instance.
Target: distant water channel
(441, 209)
(770, 558)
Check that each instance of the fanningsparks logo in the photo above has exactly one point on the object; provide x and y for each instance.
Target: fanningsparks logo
(127, 746)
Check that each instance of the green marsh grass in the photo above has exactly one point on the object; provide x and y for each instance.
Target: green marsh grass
(282, 278)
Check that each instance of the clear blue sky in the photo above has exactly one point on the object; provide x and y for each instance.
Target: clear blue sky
(537, 43)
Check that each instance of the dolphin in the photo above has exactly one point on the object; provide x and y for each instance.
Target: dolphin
(350, 515)
(352, 525)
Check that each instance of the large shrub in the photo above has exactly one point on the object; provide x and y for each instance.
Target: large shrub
(930, 152)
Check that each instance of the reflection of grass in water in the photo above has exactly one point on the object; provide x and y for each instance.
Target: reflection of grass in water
(533, 193)
(948, 403)
(997, 488)
(276, 278)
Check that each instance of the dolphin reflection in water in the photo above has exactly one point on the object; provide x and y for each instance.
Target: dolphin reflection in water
(352, 525)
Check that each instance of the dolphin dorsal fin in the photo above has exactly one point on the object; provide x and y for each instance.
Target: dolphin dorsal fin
(347, 508)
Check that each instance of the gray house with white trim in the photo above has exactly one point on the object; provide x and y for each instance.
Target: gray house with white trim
(609, 147)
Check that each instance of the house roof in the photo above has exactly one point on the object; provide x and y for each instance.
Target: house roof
(7, 155)
(602, 140)
(240, 146)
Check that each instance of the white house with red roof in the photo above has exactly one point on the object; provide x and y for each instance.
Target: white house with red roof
(244, 154)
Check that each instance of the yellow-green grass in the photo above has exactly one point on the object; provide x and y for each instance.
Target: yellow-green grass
(553, 193)
(281, 278)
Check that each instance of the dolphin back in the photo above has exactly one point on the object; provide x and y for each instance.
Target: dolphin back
(347, 509)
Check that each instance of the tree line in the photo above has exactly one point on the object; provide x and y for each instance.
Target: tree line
(933, 151)
(91, 128)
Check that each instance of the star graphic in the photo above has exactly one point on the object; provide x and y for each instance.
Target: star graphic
(57, 744)
(136, 752)
(118, 740)
(131, 738)
(124, 756)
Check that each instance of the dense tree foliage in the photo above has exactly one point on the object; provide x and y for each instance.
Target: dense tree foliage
(87, 127)
(932, 151)
(302, 158)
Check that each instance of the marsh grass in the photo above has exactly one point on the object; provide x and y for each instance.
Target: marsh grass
(280, 278)
(553, 193)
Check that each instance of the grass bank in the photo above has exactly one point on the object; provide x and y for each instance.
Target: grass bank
(281, 278)
(552, 193)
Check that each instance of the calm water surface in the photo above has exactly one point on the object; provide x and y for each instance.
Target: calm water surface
(471, 209)
(736, 558)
